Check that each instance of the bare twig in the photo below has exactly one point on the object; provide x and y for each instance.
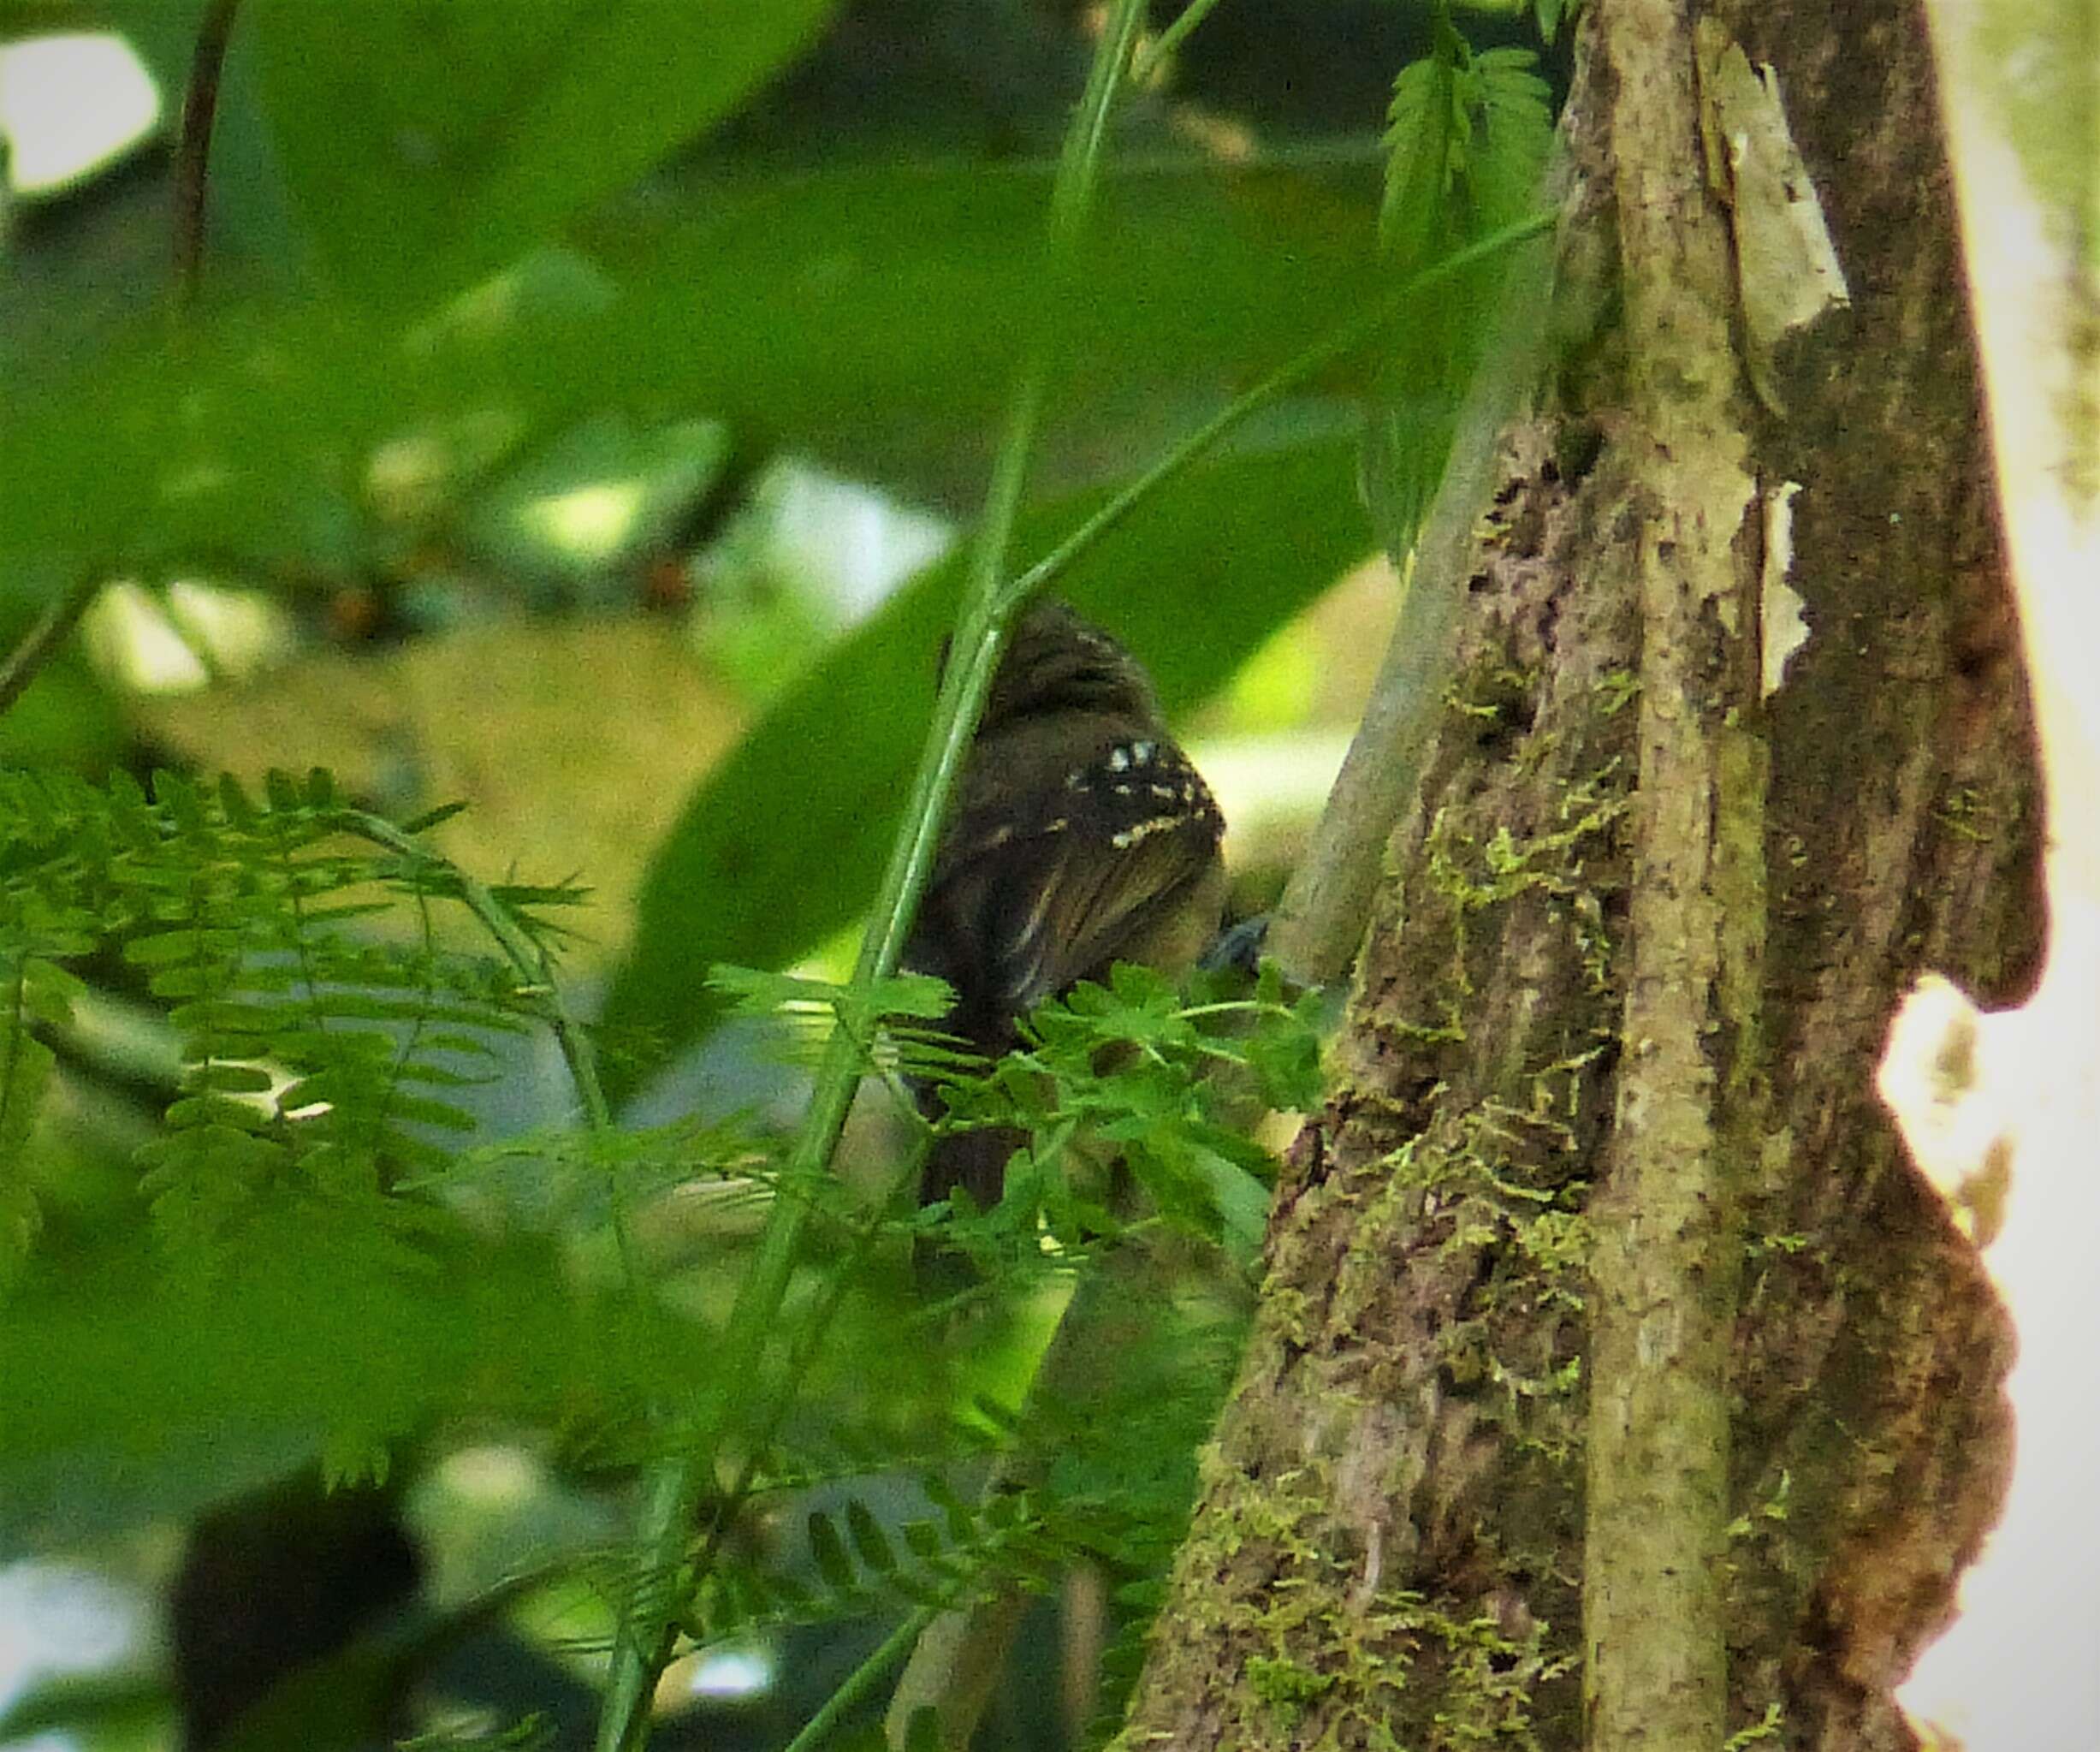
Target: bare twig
(200, 106)
(1169, 39)
(44, 639)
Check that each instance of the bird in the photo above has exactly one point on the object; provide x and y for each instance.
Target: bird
(1081, 836)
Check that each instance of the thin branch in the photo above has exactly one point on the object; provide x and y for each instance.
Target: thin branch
(200, 106)
(642, 1641)
(44, 639)
(1308, 365)
(1156, 51)
(861, 1681)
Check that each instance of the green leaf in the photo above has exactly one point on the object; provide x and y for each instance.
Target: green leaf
(869, 1539)
(317, 1328)
(98, 1709)
(283, 790)
(175, 794)
(48, 991)
(1284, 1054)
(1242, 1202)
(1512, 136)
(1421, 125)
(779, 849)
(239, 808)
(180, 948)
(432, 818)
(208, 1109)
(961, 1523)
(191, 981)
(914, 995)
(421, 1111)
(877, 312)
(767, 996)
(426, 142)
(828, 1551)
(227, 1079)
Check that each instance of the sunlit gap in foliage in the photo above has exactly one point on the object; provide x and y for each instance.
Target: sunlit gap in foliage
(747, 1671)
(591, 522)
(70, 105)
(181, 639)
(56, 1618)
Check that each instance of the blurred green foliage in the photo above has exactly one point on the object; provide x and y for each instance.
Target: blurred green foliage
(426, 143)
(469, 256)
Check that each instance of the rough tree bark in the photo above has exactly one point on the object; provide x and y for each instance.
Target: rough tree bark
(1388, 1546)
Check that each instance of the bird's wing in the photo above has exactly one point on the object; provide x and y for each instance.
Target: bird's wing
(1086, 874)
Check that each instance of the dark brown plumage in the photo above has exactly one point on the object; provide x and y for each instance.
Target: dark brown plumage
(1081, 837)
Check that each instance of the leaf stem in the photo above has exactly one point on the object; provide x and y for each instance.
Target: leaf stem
(524, 956)
(533, 965)
(861, 1680)
(200, 105)
(36, 649)
(1168, 40)
(642, 1643)
(1288, 376)
(801, 1358)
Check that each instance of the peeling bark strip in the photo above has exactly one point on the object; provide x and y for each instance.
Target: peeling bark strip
(1388, 1550)
(1667, 1222)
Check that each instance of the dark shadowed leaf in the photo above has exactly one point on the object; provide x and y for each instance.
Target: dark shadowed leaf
(426, 142)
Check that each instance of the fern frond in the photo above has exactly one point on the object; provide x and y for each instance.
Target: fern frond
(852, 1566)
(317, 1060)
(1127, 1070)
(1466, 143)
(1511, 131)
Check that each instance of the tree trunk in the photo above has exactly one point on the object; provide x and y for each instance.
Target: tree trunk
(1389, 1546)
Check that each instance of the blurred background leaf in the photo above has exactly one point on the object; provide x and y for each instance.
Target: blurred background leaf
(869, 316)
(425, 142)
